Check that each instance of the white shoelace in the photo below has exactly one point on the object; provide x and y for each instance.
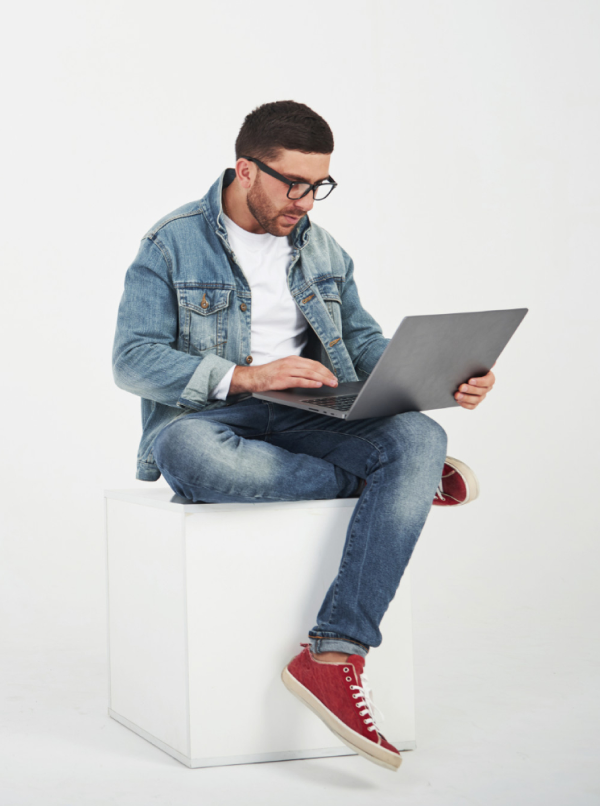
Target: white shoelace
(366, 702)
(439, 493)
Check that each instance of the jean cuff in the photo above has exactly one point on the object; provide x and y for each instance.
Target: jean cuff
(320, 643)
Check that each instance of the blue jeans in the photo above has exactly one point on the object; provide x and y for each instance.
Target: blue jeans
(258, 451)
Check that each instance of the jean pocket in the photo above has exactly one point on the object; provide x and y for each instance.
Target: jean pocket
(203, 315)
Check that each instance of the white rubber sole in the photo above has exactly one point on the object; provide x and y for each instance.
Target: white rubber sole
(373, 752)
(468, 477)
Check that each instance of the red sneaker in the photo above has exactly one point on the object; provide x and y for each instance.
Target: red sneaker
(338, 693)
(457, 486)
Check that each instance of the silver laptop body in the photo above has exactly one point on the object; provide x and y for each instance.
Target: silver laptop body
(421, 368)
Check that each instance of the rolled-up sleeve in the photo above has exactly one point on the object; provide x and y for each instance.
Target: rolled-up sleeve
(145, 359)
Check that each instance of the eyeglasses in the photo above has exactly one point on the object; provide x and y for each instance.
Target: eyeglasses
(298, 190)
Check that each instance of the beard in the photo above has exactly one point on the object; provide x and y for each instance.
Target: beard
(265, 212)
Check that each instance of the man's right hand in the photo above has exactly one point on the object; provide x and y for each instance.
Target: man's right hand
(285, 373)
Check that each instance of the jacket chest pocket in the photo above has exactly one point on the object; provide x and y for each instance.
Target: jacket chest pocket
(203, 315)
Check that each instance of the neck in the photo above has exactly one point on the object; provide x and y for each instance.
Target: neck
(236, 208)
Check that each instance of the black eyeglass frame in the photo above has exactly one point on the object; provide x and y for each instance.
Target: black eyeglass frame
(265, 168)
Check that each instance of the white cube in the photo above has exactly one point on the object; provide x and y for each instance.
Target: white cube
(206, 605)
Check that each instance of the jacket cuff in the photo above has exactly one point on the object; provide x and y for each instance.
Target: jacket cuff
(221, 390)
(208, 374)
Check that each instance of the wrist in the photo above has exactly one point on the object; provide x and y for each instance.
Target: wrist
(241, 380)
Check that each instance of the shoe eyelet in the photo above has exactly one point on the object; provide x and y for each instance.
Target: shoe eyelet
(354, 696)
(348, 678)
(346, 669)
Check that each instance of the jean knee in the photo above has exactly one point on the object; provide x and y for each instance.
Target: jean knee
(417, 436)
(175, 443)
(436, 437)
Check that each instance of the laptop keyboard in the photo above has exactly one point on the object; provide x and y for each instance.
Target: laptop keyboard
(339, 403)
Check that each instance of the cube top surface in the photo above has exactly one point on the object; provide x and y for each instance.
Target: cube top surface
(165, 498)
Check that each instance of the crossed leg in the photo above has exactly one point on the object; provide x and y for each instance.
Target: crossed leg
(258, 451)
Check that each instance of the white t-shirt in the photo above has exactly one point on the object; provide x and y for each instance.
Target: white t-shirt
(278, 328)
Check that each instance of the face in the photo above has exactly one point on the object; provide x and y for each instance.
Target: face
(267, 197)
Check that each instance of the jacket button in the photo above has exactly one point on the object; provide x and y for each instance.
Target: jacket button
(249, 359)
(243, 306)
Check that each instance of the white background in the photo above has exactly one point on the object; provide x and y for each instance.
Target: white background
(468, 166)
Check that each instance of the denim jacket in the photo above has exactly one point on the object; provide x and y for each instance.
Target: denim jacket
(185, 314)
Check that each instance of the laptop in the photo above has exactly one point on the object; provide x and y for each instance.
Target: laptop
(420, 369)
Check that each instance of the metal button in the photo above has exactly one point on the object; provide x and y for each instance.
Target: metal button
(249, 359)
(243, 306)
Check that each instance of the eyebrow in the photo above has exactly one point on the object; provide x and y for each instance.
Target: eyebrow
(303, 179)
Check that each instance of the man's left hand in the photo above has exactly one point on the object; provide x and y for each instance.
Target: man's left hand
(471, 393)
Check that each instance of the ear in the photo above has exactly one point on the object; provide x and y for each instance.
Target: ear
(245, 172)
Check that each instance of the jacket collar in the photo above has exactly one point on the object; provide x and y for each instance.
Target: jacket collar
(212, 207)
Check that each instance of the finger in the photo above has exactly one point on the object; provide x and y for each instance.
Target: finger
(485, 380)
(465, 404)
(467, 389)
(315, 371)
(289, 380)
(300, 382)
(468, 400)
(313, 376)
(316, 366)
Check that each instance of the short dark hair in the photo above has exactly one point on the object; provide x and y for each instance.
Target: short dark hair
(283, 124)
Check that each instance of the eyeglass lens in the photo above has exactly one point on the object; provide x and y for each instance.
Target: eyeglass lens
(321, 191)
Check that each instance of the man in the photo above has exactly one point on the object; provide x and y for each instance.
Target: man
(240, 293)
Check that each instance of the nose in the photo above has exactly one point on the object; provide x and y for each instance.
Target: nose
(305, 204)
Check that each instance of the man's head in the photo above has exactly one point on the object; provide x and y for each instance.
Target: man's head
(292, 140)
